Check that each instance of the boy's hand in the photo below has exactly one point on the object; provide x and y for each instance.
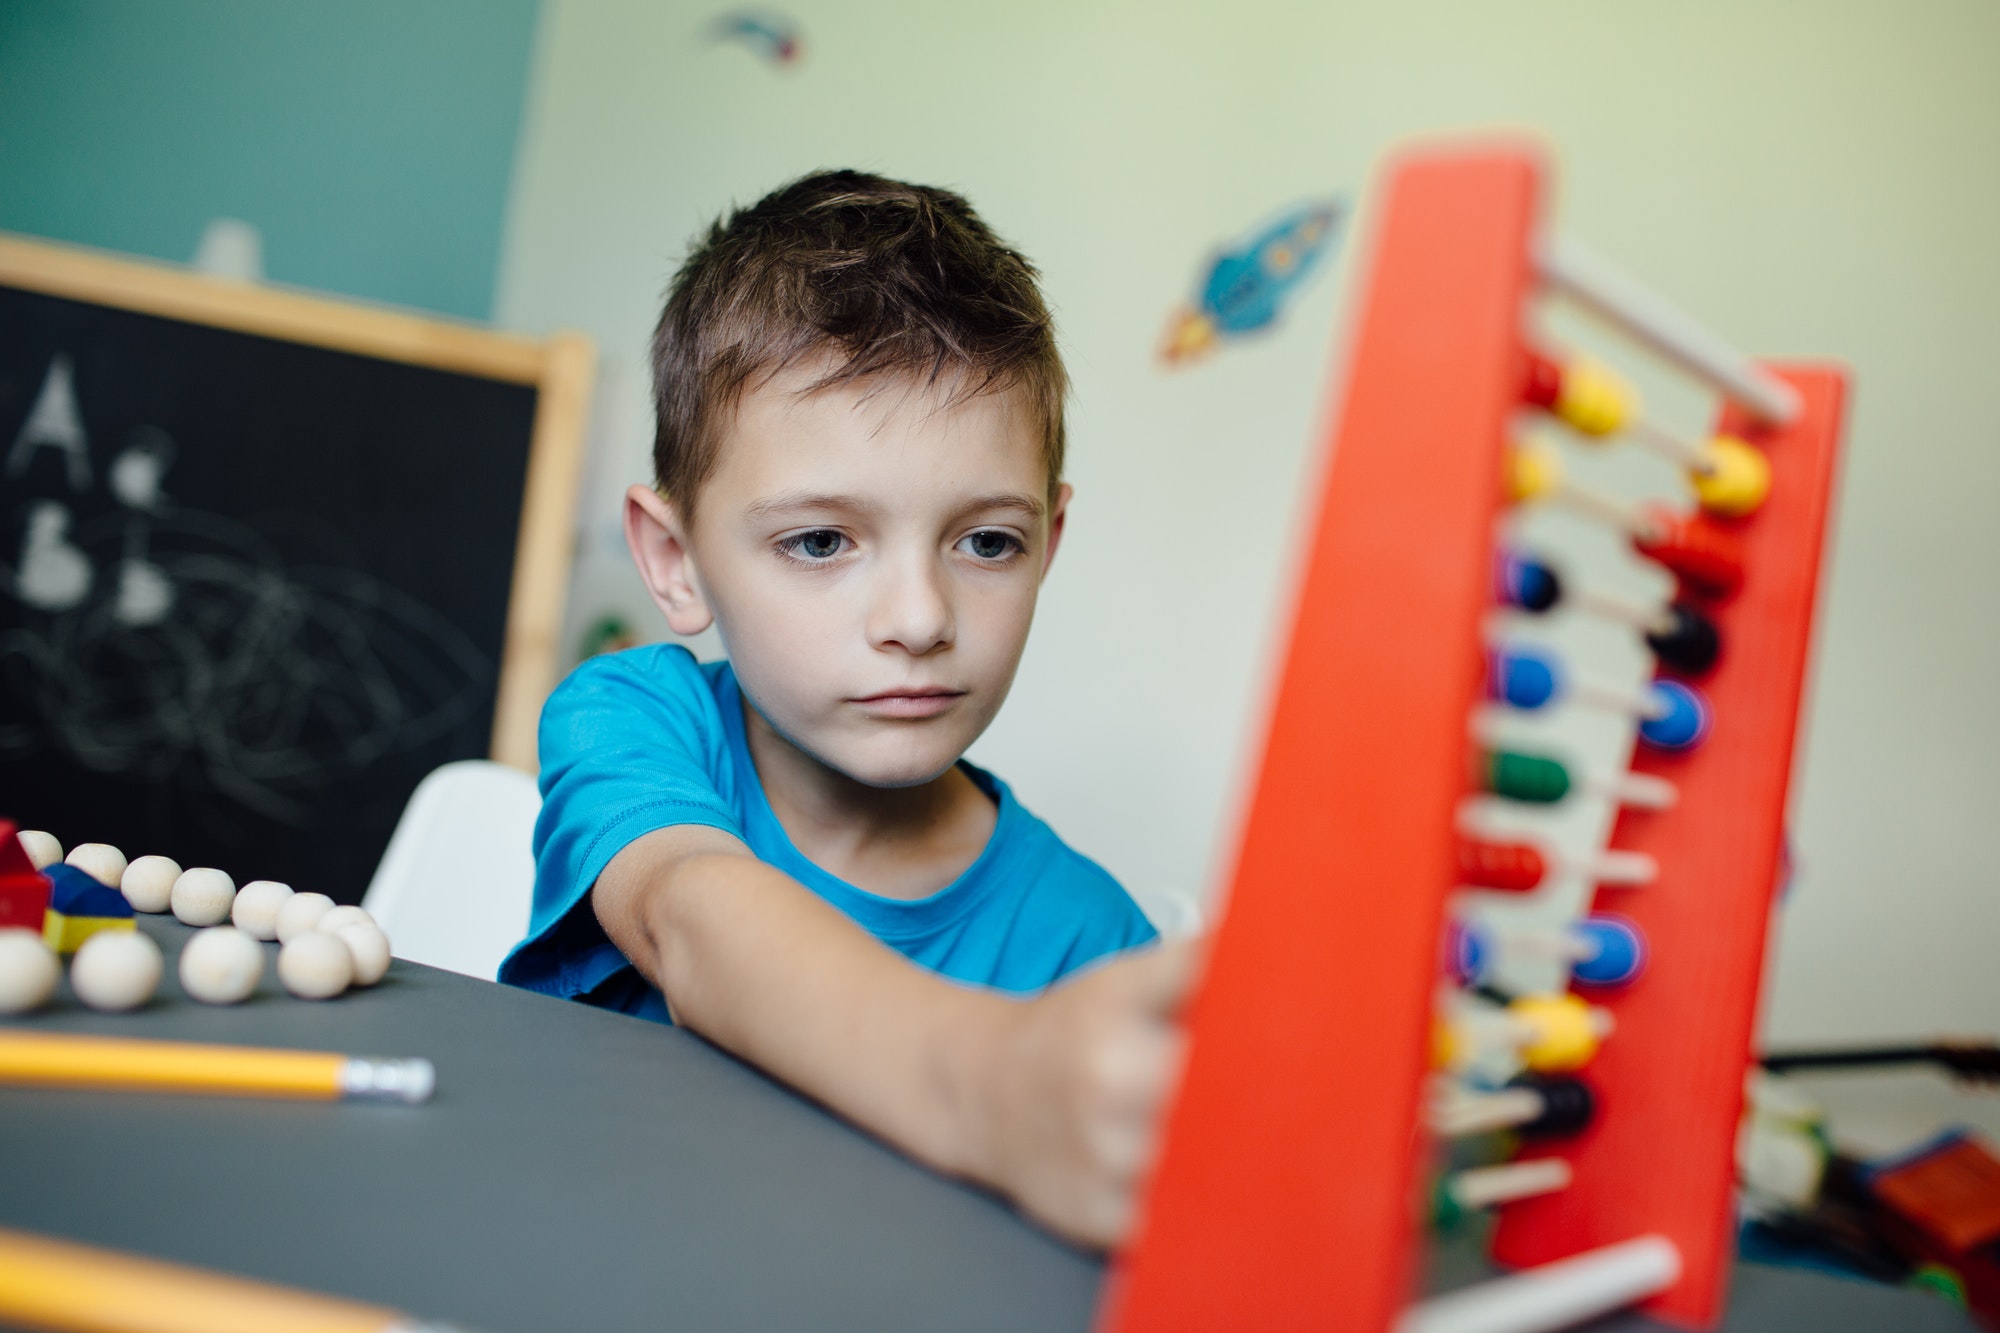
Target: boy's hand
(1077, 1090)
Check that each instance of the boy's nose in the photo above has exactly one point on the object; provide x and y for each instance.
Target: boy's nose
(911, 610)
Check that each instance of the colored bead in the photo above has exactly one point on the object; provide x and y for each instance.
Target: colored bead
(1521, 677)
(1541, 381)
(1708, 558)
(1514, 866)
(1594, 398)
(1534, 470)
(1468, 953)
(1448, 1047)
(1617, 953)
(1685, 723)
(1528, 584)
(1736, 480)
(1524, 777)
(1689, 642)
(1564, 1032)
(1568, 1105)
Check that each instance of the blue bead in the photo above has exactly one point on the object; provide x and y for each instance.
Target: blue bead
(1618, 954)
(1470, 954)
(1685, 723)
(1522, 677)
(1527, 583)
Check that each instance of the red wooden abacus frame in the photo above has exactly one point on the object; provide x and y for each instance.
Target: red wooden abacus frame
(1287, 1192)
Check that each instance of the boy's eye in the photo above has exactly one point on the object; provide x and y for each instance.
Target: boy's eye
(819, 544)
(991, 545)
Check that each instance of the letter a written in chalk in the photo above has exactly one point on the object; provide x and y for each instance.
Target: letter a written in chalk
(54, 423)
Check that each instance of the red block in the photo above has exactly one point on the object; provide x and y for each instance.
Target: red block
(24, 890)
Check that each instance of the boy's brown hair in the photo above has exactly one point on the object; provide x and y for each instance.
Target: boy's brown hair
(894, 280)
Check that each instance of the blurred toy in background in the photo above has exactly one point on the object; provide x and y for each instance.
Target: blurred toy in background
(1248, 285)
(1927, 1218)
(768, 33)
(607, 634)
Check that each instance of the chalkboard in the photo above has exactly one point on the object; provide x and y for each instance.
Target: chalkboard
(265, 560)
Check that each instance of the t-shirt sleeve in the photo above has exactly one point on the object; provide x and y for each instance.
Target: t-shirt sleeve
(630, 743)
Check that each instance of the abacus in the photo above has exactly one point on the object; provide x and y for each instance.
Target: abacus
(1325, 1037)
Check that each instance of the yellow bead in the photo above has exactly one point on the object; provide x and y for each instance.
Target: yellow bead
(1448, 1048)
(1594, 398)
(1737, 478)
(1534, 470)
(1565, 1032)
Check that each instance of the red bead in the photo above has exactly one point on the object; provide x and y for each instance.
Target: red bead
(1707, 557)
(1541, 381)
(1514, 866)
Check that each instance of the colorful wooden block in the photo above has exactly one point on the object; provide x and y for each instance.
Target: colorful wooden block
(79, 907)
(24, 890)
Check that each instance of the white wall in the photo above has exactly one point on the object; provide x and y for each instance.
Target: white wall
(1808, 177)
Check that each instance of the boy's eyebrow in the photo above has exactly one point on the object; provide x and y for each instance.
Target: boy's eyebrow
(1030, 505)
(785, 502)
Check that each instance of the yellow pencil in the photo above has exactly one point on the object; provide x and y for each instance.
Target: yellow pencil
(52, 1059)
(55, 1284)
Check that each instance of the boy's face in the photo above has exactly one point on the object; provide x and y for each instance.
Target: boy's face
(871, 560)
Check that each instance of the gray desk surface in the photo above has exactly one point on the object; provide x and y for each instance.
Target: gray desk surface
(579, 1170)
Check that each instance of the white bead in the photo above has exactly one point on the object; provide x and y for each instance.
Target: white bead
(116, 970)
(99, 860)
(256, 907)
(315, 966)
(300, 913)
(202, 896)
(370, 947)
(341, 916)
(42, 848)
(221, 965)
(148, 883)
(28, 971)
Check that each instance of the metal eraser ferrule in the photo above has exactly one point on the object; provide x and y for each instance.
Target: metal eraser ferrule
(377, 1078)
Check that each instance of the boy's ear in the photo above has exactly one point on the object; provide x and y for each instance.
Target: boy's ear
(658, 540)
(1058, 512)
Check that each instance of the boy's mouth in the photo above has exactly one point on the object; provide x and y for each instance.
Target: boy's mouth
(915, 701)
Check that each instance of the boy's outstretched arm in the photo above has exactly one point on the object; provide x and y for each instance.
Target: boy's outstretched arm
(1054, 1101)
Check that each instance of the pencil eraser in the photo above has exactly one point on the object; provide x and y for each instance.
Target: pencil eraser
(99, 860)
(201, 897)
(221, 965)
(315, 966)
(256, 908)
(300, 913)
(116, 970)
(148, 883)
(42, 848)
(369, 946)
(28, 971)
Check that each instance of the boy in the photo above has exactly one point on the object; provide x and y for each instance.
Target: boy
(858, 455)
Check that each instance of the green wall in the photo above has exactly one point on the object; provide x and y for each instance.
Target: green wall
(370, 141)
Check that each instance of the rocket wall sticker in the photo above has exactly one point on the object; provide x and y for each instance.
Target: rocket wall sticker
(1249, 283)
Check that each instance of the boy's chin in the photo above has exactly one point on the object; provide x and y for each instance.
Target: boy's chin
(896, 766)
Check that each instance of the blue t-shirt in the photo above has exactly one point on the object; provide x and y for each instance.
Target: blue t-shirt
(650, 738)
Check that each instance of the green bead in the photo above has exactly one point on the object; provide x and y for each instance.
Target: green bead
(1526, 777)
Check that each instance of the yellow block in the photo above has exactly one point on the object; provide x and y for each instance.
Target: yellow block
(66, 934)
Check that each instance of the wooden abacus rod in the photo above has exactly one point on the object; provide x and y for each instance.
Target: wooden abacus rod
(1555, 1295)
(1650, 320)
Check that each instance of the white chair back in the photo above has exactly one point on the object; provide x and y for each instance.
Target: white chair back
(455, 885)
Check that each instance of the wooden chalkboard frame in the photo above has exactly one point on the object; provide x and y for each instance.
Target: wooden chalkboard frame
(561, 369)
